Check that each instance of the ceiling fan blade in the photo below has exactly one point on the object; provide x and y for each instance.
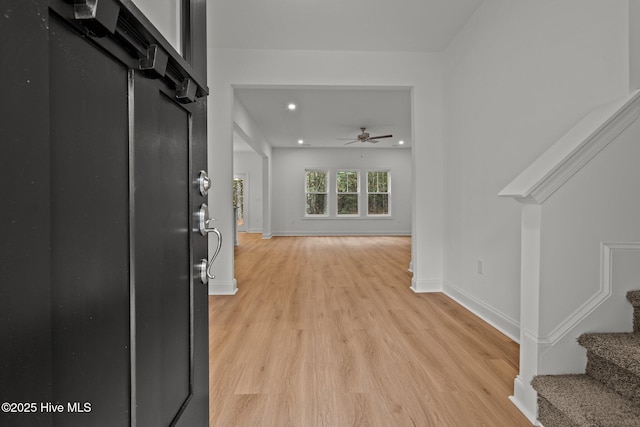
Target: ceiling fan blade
(373, 141)
(351, 142)
(344, 139)
(381, 136)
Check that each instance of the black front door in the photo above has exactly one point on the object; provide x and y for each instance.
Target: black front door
(128, 340)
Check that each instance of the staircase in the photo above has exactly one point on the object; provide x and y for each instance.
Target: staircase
(608, 394)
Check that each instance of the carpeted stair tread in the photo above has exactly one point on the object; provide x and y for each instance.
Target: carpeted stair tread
(551, 416)
(586, 402)
(622, 349)
(634, 298)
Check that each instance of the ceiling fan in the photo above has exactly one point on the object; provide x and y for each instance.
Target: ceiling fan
(364, 137)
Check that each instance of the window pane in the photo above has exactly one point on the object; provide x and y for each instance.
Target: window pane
(316, 182)
(347, 181)
(372, 182)
(316, 204)
(352, 182)
(383, 185)
(377, 182)
(341, 181)
(378, 204)
(347, 204)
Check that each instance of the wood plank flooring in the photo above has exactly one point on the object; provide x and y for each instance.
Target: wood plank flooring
(325, 331)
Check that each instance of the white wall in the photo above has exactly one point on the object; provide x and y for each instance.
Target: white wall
(250, 164)
(289, 198)
(634, 45)
(165, 15)
(422, 73)
(517, 77)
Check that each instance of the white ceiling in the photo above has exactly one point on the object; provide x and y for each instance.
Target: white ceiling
(364, 25)
(325, 114)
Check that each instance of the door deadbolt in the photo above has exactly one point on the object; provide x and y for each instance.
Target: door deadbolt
(201, 267)
(204, 183)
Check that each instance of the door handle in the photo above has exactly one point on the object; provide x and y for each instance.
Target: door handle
(204, 220)
(205, 229)
(215, 254)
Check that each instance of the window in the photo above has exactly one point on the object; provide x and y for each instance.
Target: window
(347, 189)
(316, 192)
(378, 193)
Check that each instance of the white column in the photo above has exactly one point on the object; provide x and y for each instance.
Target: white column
(524, 396)
(220, 161)
(266, 197)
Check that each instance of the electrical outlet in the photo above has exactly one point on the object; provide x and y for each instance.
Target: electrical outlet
(480, 266)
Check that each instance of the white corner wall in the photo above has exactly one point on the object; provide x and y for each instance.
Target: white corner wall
(517, 77)
(289, 198)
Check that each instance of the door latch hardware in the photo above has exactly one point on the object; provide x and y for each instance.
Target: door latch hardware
(204, 183)
(205, 229)
(201, 267)
(204, 220)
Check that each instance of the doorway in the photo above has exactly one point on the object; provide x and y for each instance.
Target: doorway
(240, 190)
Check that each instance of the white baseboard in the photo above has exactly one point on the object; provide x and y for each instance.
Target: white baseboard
(521, 408)
(339, 233)
(524, 398)
(223, 288)
(424, 286)
(504, 324)
(267, 236)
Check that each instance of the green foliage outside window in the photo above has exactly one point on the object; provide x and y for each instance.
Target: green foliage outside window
(378, 192)
(347, 187)
(316, 189)
(347, 181)
(316, 182)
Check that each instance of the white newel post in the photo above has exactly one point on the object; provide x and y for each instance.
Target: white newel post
(524, 396)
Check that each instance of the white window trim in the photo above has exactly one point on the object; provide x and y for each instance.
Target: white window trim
(327, 192)
(358, 193)
(332, 195)
(388, 193)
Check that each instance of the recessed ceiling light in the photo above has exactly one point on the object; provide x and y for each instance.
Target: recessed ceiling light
(300, 141)
(400, 142)
(291, 106)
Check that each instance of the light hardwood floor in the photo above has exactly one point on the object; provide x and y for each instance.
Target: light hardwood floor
(325, 331)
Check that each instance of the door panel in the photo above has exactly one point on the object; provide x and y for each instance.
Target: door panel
(90, 230)
(25, 283)
(163, 282)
